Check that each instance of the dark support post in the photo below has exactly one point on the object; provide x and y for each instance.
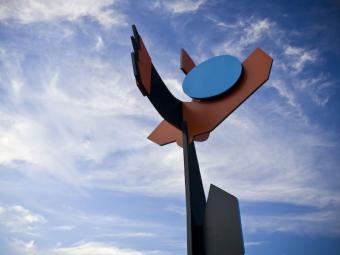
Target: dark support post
(195, 197)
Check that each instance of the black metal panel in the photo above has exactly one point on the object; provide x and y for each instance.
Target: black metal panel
(134, 66)
(222, 224)
(167, 105)
(195, 198)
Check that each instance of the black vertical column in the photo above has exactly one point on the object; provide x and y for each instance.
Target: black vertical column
(195, 197)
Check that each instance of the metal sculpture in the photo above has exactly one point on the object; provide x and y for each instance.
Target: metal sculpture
(213, 226)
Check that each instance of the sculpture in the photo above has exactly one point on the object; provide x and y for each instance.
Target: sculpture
(218, 86)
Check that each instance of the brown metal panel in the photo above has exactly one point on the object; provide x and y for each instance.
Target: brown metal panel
(141, 62)
(166, 133)
(202, 137)
(144, 65)
(205, 116)
(186, 62)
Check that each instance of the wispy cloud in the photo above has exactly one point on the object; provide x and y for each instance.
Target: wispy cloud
(245, 33)
(81, 248)
(299, 57)
(182, 6)
(317, 88)
(44, 11)
(93, 248)
(24, 247)
(65, 228)
(19, 219)
(319, 223)
(293, 110)
(254, 243)
(99, 43)
(263, 166)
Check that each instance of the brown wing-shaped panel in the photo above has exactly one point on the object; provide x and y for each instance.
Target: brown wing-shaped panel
(166, 133)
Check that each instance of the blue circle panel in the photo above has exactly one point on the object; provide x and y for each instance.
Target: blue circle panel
(212, 77)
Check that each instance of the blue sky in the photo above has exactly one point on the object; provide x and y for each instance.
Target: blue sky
(77, 174)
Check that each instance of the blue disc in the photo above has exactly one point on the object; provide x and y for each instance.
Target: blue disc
(212, 77)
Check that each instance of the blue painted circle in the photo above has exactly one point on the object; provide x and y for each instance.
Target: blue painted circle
(212, 77)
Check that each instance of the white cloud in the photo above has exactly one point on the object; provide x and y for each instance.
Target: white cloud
(133, 234)
(25, 248)
(103, 95)
(95, 103)
(99, 43)
(254, 243)
(264, 162)
(19, 219)
(81, 248)
(285, 92)
(65, 228)
(293, 110)
(254, 31)
(93, 248)
(317, 88)
(129, 174)
(320, 223)
(244, 34)
(299, 57)
(180, 6)
(289, 63)
(49, 10)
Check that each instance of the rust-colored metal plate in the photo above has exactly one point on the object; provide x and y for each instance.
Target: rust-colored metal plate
(205, 116)
(186, 62)
(166, 133)
(202, 137)
(142, 65)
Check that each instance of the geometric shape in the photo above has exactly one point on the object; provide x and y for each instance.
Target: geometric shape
(204, 116)
(166, 133)
(222, 224)
(201, 116)
(202, 137)
(186, 62)
(212, 77)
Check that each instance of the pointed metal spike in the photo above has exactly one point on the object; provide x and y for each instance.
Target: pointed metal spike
(136, 34)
